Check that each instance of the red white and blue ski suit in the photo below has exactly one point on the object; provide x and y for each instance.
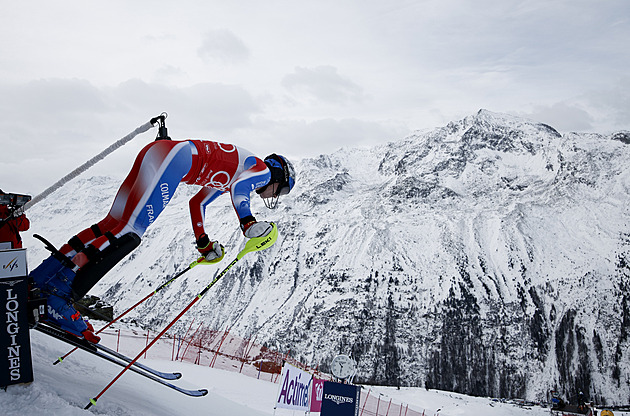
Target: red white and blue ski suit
(159, 168)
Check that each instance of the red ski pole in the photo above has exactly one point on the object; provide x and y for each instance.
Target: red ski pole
(253, 244)
(171, 280)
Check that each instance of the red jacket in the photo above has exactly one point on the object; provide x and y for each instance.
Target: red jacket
(10, 229)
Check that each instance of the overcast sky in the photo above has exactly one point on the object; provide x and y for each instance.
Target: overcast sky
(294, 77)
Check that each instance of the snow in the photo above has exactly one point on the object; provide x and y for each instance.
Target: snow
(66, 388)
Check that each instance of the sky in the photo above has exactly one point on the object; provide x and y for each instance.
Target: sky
(294, 77)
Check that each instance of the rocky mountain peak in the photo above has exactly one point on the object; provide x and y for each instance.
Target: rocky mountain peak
(489, 257)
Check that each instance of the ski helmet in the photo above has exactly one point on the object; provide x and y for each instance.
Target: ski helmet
(282, 173)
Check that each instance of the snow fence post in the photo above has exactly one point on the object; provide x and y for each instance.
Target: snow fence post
(147, 343)
(366, 399)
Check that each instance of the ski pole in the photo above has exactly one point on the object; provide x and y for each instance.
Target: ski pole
(61, 182)
(253, 244)
(171, 280)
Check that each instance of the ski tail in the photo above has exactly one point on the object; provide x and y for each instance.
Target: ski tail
(99, 352)
(161, 374)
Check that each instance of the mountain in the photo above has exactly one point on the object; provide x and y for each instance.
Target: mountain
(487, 257)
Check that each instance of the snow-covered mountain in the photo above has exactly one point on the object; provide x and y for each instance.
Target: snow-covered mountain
(488, 257)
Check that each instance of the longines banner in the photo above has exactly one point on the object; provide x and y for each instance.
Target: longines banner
(15, 344)
(294, 389)
(340, 399)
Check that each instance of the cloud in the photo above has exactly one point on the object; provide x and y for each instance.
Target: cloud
(63, 112)
(52, 126)
(200, 107)
(323, 83)
(48, 96)
(612, 105)
(300, 138)
(604, 110)
(67, 109)
(562, 116)
(223, 45)
(168, 72)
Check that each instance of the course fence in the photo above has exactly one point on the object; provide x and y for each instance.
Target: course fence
(224, 350)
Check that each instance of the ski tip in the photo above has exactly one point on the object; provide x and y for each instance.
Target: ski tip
(60, 359)
(177, 376)
(203, 392)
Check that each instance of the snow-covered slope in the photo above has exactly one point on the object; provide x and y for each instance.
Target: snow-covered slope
(487, 257)
(65, 389)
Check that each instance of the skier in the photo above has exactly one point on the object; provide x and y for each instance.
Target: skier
(157, 171)
(10, 223)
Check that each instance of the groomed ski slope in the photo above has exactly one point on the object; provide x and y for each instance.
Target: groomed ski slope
(66, 388)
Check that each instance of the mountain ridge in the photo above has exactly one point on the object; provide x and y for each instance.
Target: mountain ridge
(487, 257)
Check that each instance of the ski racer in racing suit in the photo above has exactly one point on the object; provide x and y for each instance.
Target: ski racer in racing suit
(157, 171)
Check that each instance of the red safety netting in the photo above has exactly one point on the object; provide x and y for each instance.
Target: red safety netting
(373, 404)
(225, 350)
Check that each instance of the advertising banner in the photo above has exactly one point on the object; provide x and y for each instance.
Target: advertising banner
(317, 394)
(15, 344)
(13, 263)
(340, 399)
(294, 389)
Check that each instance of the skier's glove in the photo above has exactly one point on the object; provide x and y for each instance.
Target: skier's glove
(257, 229)
(211, 251)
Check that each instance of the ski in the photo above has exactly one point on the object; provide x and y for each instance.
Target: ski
(92, 349)
(158, 373)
